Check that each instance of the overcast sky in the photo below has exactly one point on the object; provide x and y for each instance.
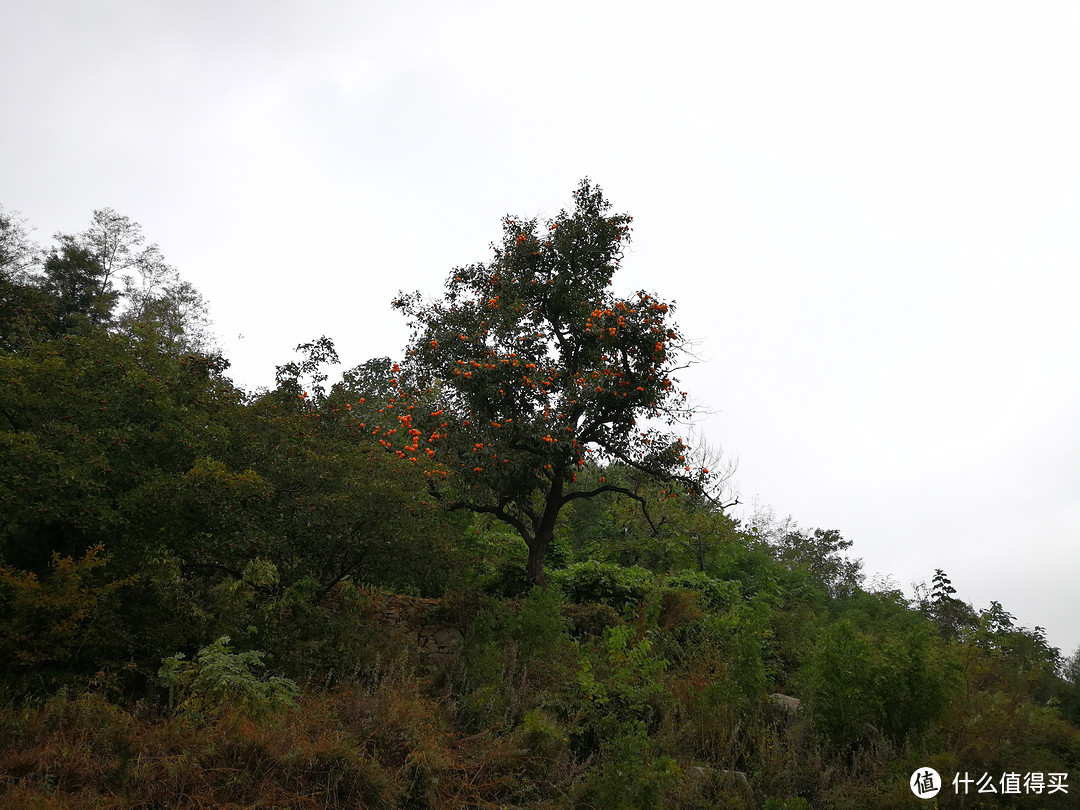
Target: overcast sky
(868, 215)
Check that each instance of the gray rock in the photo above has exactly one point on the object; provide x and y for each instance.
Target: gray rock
(786, 702)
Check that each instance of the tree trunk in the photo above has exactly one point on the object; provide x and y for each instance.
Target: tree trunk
(538, 550)
(545, 533)
(534, 570)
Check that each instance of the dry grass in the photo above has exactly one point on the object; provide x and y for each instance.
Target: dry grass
(379, 743)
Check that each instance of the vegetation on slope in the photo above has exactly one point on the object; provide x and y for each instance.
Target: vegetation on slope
(190, 578)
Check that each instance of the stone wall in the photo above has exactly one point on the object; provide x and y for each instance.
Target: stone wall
(429, 624)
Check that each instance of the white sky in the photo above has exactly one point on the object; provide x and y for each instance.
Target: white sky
(867, 214)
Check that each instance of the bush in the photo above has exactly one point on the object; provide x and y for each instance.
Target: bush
(858, 685)
(59, 620)
(509, 655)
(590, 619)
(605, 583)
(675, 607)
(718, 594)
(622, 685)
(220, 678)
(718, 678)
(629, 777)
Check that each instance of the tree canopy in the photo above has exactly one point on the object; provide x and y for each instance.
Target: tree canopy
(72, 287)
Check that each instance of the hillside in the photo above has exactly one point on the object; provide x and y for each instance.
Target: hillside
(420, 588)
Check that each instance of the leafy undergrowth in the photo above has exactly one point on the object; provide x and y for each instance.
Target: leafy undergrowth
(537, 709)
(380, 743)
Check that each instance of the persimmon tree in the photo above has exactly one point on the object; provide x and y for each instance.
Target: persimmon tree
(530, 367)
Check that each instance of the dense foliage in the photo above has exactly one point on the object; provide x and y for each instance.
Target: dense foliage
(195, 581)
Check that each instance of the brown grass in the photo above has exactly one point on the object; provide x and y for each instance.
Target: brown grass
(380, 743)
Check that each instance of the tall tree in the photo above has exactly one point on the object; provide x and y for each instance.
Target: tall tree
(822, 554)
(17, 252)
(25, 309)
(952, 616)
(532, 365)
(105, 276)
(79, 288)
(114, 242)
(154, 300)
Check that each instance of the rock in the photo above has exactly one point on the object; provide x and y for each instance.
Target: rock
(446, 637)
(718, 776)
(738, 777)
(786, 702)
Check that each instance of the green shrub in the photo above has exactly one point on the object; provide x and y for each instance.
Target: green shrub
(606, 583)
(540, 744)
(857, 685)
(535, 628)
(630, 777)
(59, 620)
(590, 619)
(718, 594)
(510, 655)
(219, 679)
(507, 580)
(721, 663)
(622, 690)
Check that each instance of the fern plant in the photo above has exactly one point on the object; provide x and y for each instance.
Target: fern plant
(219, 678)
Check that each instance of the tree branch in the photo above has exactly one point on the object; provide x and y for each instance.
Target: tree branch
(498, 512)
(619, 491)
(11, 419)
